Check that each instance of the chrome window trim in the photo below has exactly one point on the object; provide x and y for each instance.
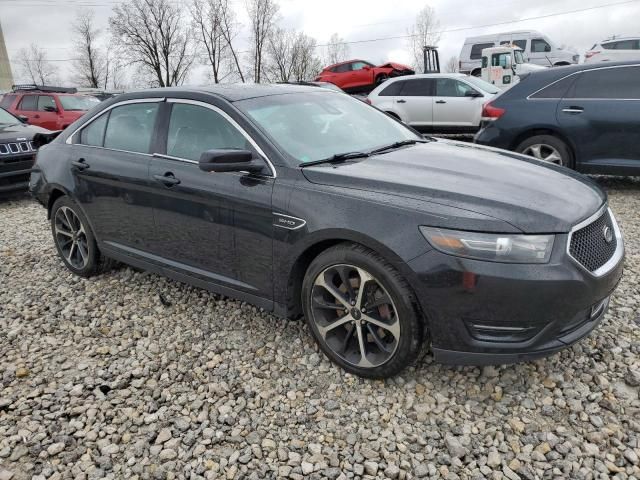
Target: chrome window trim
(577, 73)
(617, 255)
(69, 140)
(235, 124)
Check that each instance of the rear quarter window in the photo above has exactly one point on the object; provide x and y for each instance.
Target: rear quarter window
(391, 90)
(557, 89)
(7, 101)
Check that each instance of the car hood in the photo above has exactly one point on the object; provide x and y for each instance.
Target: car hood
(15, 131)
(396, 66)
(531, 195)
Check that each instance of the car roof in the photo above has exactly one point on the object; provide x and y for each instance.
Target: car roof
(495, 35)
(231, 92)
(617, 39)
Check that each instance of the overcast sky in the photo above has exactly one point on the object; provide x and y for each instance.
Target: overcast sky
(48, 23)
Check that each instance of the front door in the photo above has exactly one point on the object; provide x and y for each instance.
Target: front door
(601, 116)
(110, 165)
(216, 227)
(451, 105)
(48, 112)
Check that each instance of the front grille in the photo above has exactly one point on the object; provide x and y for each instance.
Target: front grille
(589, 245)
(17, 147)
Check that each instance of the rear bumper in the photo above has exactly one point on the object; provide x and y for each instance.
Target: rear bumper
(481, 313)
(491, 136)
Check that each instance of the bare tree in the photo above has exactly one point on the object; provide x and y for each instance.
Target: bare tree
(89, 64)
(114, 70)
(262, 14)
(152, 35)
(35, 66)
(290, 56)
(229, 32)
(307, 63)
(337, 50)
(424, 32)
(452, 65)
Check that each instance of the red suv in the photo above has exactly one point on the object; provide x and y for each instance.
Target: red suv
(52, 108)
(361, 76)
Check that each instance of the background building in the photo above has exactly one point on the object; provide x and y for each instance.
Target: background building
(6, 77)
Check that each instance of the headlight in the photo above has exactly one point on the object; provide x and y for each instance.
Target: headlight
(491, 247)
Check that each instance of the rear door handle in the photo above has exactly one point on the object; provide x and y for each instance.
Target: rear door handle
(401, 101)
(80, 164)
(574, 110)
(440, 101)
(168, 179)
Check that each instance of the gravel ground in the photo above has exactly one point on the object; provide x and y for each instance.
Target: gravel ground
(103, 378)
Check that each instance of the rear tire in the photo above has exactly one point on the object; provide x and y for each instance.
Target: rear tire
(548, 148)
(373, 332)
(74, 240)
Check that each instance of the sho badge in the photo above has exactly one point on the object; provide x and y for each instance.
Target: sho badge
(287, 221)
(607, 234)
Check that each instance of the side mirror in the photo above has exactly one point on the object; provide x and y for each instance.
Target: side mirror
(230, 161)
(49, 108)
(473, 94)
(23, 119)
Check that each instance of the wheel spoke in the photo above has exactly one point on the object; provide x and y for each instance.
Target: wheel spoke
(383, 300)
(393, 328)
(341, 321)
(83, 253)
(344, 276)
(347, 338)
(72, 250)
(337, 294)
(364, 278)
(536, 151)
(376, 338)
(554, 158)
(321, 303)
(364, 361)
(60, 231)
(70, 221)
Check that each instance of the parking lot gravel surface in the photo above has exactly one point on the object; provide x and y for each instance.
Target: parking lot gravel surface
(130, 375)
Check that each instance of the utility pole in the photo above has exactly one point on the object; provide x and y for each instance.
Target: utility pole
(6, 77)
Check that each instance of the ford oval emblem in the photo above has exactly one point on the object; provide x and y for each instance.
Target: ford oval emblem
(607, 234)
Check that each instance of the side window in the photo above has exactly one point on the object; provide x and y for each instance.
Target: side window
(521, 43)
(476, 50)
(28, 103)
(93, 134)
(418, 88)
(392, 89)
(538, 45)
(130, 127)
(621, 45)
(556, 90)
(499, 60)
(358, 65)
(7, 101)
(614, 83)
(485, 62)
(45, 101)
(194, 129)
(448, 87)
(346, 67)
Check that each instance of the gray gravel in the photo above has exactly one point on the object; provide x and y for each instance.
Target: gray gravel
(99, 379)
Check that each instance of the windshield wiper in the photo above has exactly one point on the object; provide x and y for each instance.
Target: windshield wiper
(399, 144)
(337, 158)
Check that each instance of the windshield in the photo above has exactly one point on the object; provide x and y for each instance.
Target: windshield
(77, 102)
(319, 125)
(518, 55)
(482, 85)
(6, 118)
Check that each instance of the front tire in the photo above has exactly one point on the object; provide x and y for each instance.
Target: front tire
(383, 77)
(548, 148)
(361, 312)
(74, 240)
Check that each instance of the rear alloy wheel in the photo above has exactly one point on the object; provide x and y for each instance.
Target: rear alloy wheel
(74, 240)
(548, 148)
(361, 313)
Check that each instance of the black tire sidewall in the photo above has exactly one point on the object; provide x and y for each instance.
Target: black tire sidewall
(411, 325)
(92, 264)
(552, 141)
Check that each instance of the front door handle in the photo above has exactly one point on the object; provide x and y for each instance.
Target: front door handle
(80, 164)
(440, 101)
(36, 116)
(168, 179)
(401, 101)
(573, 110)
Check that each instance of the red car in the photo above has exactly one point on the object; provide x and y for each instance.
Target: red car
(358, 75)
(47, 107)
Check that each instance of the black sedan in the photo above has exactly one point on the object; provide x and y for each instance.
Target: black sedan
(17, 151)
(585, 117)
(305, 201)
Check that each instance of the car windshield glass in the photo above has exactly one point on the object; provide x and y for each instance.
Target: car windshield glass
(482, 85)
(319, 125)
(6, 118)
(78, 102)
(519, 56)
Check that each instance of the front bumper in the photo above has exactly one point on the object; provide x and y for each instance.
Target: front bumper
(14, 172)
(482, 313)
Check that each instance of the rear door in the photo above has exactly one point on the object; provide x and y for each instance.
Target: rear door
(415, 101)
(110, 165)
(451, 106)
(28, 107)
(601, 116)
(622, 50)
(217, 227)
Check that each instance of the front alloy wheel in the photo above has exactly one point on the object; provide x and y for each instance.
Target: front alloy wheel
(71, 238)
(355, 316)
(361, 312)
